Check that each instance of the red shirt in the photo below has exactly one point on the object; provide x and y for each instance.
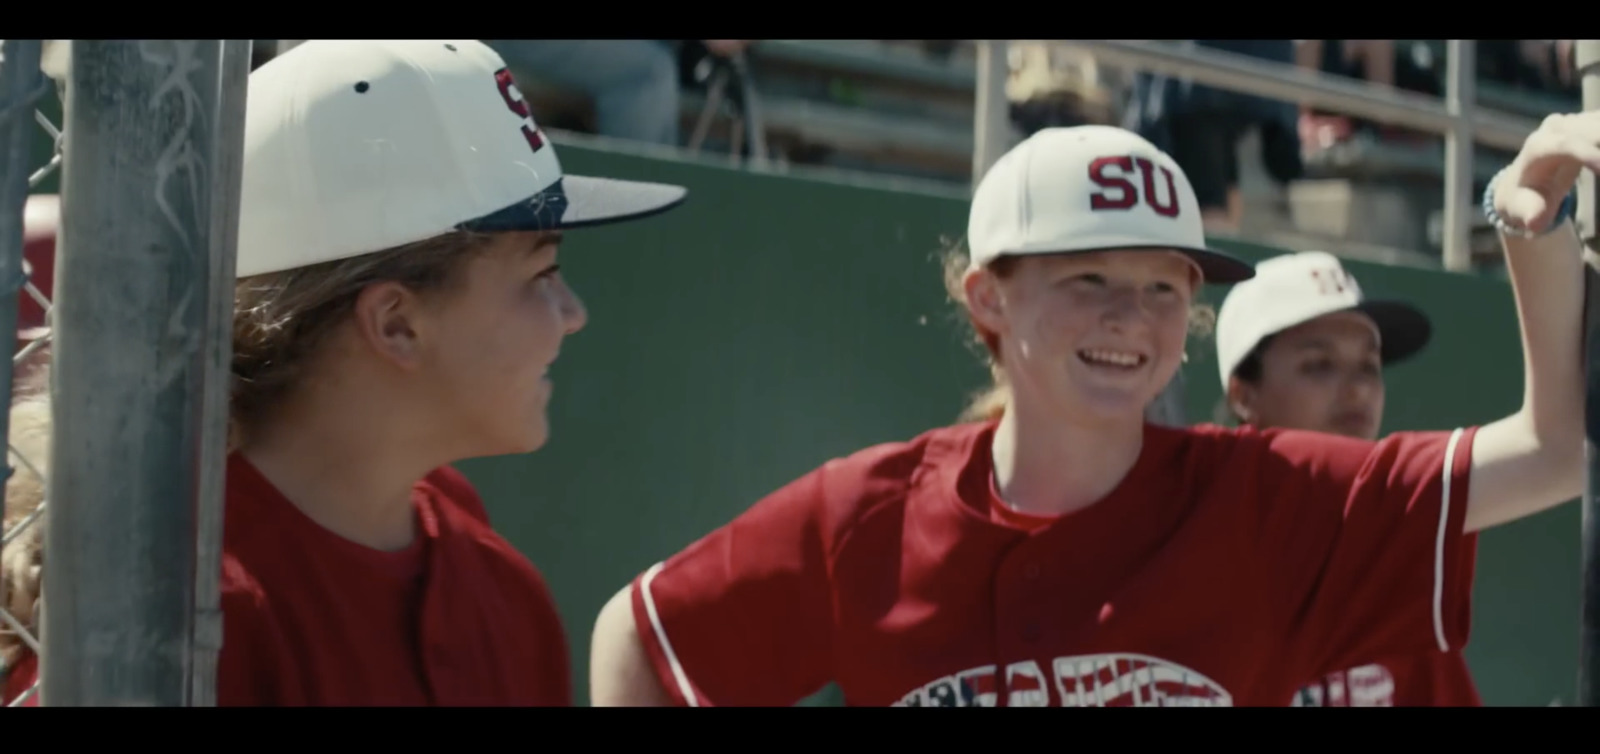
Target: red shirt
(313, 619)
(1426, 679)
(458, 618)
(1228, 567)
(22, 677)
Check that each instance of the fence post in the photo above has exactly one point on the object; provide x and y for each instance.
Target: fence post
(150, 189)
(1459, 99)
(991, 135)
(1586, 57)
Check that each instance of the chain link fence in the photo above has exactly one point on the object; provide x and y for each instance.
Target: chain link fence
(22, 86)
(111, 585)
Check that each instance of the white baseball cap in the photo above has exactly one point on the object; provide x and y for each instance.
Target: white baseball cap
(355, 146)
(1091, 188)
(1292, 289)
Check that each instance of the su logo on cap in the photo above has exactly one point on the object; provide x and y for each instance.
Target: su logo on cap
(513, 98)
(1334, 280)
(1127, 195)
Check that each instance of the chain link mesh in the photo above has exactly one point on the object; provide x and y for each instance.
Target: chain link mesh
(24, 501)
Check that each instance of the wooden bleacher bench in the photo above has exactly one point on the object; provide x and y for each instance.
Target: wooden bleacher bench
(1369, 159)
(869, 62)
(895, 111)
(919, 124)
(896, 143)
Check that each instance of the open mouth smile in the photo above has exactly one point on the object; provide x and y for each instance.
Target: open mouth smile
(1101, 357)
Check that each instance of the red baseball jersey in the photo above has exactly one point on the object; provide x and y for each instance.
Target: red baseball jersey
(1427, 679)
(458, 618)
(22, 677)
(1228, 568)
(310, 618)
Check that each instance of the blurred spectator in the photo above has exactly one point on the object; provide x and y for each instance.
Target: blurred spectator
(634, 82)
(727, 47)
(1049, 86)
(1409, 67)
(1543, 65)
(1201, 128)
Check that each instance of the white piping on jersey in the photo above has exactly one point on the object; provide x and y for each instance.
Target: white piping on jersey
(1438, 553)
(661, 635)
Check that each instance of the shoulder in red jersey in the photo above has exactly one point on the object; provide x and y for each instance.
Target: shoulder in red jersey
(314, 620)
(757, 593)
(887, 573)
(1366, 539)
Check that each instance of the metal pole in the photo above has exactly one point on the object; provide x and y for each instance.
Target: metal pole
(145, 253)
(1459, 99)
(991, 115)
(217, 360)
(1586, 57)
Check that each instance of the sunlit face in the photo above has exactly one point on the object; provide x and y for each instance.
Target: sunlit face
(496, 337)
(1324, 375)
(1089, 335)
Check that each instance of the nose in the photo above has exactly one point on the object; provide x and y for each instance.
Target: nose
(1123, 305)
(1362, 389)
(574, 315)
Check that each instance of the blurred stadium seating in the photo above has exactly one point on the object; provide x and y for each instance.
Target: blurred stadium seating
(905, 108)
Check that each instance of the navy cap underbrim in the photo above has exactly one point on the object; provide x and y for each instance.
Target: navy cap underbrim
(577, 201)
(1402, 328)
(1216, 267)
(1219, 268)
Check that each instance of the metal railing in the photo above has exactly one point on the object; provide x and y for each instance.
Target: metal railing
(1457, 117)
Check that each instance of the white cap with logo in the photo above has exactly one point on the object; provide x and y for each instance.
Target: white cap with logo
(1293, 289)
(355, 146)
(1086, 189)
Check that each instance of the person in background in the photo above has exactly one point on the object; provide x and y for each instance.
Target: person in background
(634, 82)
(1408, 65)
(1201, 127)
(1299, 346)
(395, 311)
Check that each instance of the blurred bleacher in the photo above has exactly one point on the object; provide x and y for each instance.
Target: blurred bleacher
(906, 108)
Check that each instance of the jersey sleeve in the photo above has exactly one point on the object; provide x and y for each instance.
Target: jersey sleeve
(249, 670)
(743, 616)
(1368, 556)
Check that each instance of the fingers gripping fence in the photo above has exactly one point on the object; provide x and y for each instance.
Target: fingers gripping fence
(138, 330)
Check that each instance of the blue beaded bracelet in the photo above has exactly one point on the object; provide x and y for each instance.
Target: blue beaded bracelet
(1568, 208)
